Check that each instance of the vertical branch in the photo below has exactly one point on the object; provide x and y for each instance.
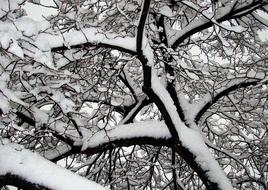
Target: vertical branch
(167, 102)
(174, 173)
(110, 168)
(140, 32)
(168, 68)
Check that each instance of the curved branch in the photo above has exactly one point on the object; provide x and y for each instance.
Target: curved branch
(89, 37)
(125, 142)
(133, 111)
(89, 44)
(221, 94)
(150, 132)
(160, 141)
(200, 24)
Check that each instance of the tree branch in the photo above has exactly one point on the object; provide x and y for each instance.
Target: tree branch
(140, 32)
(194, 27)
(221, 94)
(89, 44)
(27, 170)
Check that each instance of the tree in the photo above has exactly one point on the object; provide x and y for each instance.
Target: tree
(135, 94)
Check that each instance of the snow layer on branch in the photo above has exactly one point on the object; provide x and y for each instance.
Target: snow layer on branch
(33, 168)
(7, 94)
(190, 110)
(48, 41)
(165, 10)
(14, 35)
(163, 94)
(199, 21)
(147, 50)
(8, 43)
(154, 129)
(87, 35)
(65, 104)
(23, 26)
(191, 138)
(261, 17)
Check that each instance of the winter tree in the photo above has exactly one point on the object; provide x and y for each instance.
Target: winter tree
(134, 94)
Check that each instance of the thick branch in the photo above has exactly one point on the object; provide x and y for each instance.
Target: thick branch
(27, 170)
(89, 44)
(180, 150)
(169, 69)
(19, 182)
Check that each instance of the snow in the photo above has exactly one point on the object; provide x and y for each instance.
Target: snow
(16, 49)
(55, 39)
(237, 29)
(41, 39)
(163, 94)
(27, 26)
(192, 75)
(165, 10)
(176, 35)
(5, 107)
(18, 161)
(186, 136)
(251, 73)
(131, 81)
(150, 128)
(7, 5)
(204, 157)
(40, 115)
(22, 29)
(9, 94)
(65, 129)
(8, 42)
(201, 20)
(13, 33)
(157, 130)
(44, 59)
(91, 35)
(65, 104)
(37, 12)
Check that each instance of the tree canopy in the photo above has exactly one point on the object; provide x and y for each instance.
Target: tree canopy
(134, 94)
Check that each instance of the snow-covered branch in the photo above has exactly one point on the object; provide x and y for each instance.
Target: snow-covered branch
(24, 169)
(112, 91)
(89, 37)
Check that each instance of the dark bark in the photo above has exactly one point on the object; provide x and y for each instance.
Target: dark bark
(21, 183)
(88, 44)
